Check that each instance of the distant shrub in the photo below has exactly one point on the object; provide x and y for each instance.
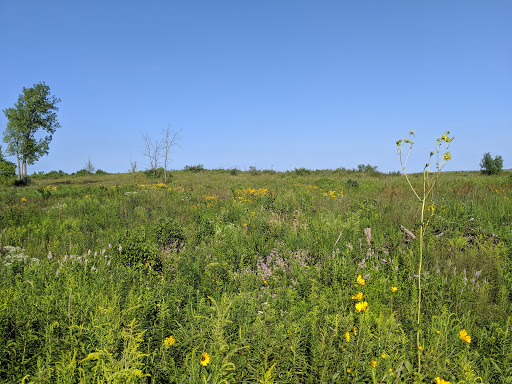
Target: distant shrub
(367, 168)
(352, 184)
(194, 168)
(254, 171)
(169, 233)
(491, 166)
(157, 173)
(268, 172)
(82, 172)
(101, 172)
(234, 171)
(302, 171)
(56, 174)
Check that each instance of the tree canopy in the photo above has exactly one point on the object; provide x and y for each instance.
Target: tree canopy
(35, 109)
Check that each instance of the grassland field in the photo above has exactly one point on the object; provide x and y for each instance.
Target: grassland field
(255, 277)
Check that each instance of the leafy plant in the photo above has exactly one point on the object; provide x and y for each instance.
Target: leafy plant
(169, 233)
(422, 196)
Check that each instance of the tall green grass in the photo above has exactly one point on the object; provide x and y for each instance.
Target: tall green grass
(264, 284)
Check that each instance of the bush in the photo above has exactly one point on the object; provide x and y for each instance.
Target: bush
(7, 171)
(367, 168)
(101, 172)
(194, 168)
(302, 171)
(82, 172)
(254, 171)
(490, 166)
(157, 173)
(137, 248)
(206, 229)
(169, 233)
(234, 171)
(352, 184)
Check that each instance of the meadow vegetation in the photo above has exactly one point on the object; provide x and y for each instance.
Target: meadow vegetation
(228, 276)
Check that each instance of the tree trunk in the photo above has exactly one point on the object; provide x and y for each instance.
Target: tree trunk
(24, 170)
(19, 168)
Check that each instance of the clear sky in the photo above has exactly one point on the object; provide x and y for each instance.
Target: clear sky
(272, 84)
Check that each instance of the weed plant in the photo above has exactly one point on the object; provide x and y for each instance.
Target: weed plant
(231, 278)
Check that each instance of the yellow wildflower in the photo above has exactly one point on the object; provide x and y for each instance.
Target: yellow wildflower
(359, 296)
(354, 331)
(361, 306)
(447, 156)
(205, 359)
(394, 289)
(360, 280)
(349, 370)
(441, 381)
(347, 336)
(169, 341)
(23, 199)
(464, 336)
(384, 355)
(374, 364)
(420, 348)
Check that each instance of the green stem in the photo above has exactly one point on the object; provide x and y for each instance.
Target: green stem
(419, 284)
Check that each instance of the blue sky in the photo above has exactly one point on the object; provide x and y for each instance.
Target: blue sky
(272, 84)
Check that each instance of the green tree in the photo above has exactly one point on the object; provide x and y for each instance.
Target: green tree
(35, 109)
(491, 166)
(7, 169)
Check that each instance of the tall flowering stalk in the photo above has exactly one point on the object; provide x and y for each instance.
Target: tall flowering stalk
(422, 195)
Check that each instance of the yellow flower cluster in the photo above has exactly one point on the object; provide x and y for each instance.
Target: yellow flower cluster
(502, 191)
(169, 341)
(464, 336)
(176, 189)
(244, 194)
(446, 138)
(361, 306)
(152, 186)
(438, 380)
(333, 194)
(359, 296)
(47, 188)
(88, 196)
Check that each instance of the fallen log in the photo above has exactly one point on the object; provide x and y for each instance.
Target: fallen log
(407, 232)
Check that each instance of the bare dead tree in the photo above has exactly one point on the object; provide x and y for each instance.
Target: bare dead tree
(152, 151)
(88, 166)
(171, 140)
(160, 150)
